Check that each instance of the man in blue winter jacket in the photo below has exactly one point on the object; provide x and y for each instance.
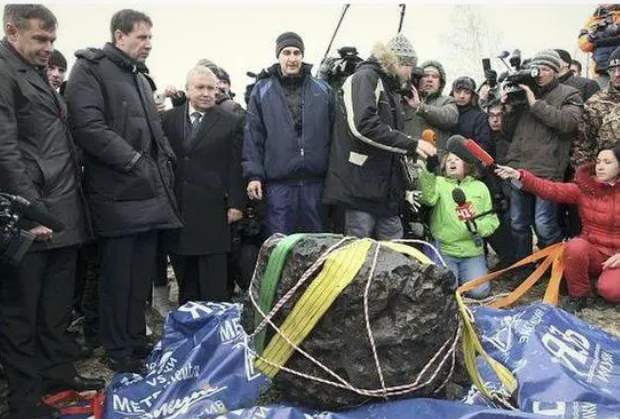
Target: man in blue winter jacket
(287, 140)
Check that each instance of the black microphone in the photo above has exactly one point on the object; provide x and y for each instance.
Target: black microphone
(456, 146)
(35, 212)
(466, 213)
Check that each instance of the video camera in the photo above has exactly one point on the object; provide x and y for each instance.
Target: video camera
(14, 243)
(335, 70)
(521, 74)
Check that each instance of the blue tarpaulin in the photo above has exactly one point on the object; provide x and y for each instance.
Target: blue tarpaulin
(203, 368)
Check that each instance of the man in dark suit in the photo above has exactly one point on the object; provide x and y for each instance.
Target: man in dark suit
(209, 187)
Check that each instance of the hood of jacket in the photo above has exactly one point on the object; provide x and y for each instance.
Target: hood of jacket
(386, 58)
(442, 72)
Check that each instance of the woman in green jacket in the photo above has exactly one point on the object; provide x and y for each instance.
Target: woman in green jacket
(460, 244)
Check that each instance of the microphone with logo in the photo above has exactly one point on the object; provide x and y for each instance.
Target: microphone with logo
(466, 213)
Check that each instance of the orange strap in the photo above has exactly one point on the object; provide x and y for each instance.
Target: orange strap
(552, 256)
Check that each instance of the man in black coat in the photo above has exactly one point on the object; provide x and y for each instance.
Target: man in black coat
(128, 178)
(473, 122)
(209, 187)
(37, 162)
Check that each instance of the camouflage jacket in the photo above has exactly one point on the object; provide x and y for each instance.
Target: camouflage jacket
(600, 127)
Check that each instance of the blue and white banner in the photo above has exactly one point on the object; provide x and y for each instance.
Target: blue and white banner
(566, 368)
(203, 368)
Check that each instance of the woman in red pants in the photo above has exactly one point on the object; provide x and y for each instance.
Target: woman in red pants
(596, 251)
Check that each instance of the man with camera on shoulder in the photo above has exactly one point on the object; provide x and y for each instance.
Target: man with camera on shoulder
(541, 131)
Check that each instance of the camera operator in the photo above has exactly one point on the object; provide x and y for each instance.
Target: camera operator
(37, 162)
(367, 173)
(541, 135)
(429, 109)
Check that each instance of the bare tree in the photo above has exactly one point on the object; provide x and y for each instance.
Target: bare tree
(472, 37)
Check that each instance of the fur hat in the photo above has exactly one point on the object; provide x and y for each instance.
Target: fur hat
(289, 39)
(403, 49)
(58, 60)
(614, 58)
(547, 57)
(466, 83)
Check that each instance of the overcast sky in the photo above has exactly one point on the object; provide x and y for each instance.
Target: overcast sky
(241, 37)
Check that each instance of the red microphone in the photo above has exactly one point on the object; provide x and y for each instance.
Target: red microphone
(486, 159)
(480, 154)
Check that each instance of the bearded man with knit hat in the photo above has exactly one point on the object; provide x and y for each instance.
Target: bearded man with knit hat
(541, 135)
(367, 172)
(286, 141)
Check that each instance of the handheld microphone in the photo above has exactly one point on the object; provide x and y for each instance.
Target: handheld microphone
(466, 213)
(430, 137)
(456, 146)
(37, 213)
(486, 159)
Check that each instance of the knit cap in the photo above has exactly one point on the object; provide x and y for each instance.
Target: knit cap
(547, 57)
(403, 49)
(289, 39)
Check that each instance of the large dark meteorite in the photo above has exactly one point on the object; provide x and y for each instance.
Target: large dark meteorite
(412, 311)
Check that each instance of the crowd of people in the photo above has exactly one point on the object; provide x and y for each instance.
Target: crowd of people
(200, 185)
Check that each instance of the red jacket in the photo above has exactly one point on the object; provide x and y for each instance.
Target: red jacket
(599, 204)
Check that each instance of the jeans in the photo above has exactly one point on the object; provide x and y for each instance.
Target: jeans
(468, 269)
(526, 211)
(362, 224)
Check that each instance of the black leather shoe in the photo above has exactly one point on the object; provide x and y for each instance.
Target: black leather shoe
(77, 383)
(33, 411)
(126, 364)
